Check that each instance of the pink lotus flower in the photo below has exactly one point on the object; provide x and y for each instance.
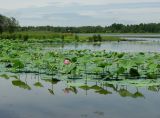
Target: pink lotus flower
(67, 62)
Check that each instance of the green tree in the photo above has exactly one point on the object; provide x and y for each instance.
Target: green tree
(13, 25)
(8, 24)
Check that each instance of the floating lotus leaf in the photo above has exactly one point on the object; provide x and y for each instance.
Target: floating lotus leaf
(68, 68)
(17, 64)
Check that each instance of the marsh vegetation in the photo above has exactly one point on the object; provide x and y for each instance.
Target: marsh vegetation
(57, 72)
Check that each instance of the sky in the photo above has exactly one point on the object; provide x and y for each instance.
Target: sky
(81, 12)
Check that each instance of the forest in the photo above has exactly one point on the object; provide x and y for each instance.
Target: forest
(80, 59)
(11, 25)
(8, 24)
(114, 28)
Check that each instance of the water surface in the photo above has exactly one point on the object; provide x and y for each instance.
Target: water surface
(35, 97)
(133, 45)
(62, 99)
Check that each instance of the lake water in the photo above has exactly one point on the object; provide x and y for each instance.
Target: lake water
(124, 35)
(61, 100)
(138, 45)
(50, 99)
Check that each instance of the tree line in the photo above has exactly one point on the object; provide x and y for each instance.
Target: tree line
(114, 28)
(11, 25)
(8, 24)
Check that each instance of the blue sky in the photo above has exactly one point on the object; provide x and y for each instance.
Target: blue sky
(81, 12)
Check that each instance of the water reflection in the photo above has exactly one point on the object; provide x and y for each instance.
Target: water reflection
(154, 88)
(137, 45)
(27, 82)
(52, 81)
(70, 89)
(40, 96)
(21, 84)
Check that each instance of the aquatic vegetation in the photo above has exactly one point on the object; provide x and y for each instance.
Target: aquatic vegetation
(66, 62)
(138, 69)
(49, 37)
(120, 88)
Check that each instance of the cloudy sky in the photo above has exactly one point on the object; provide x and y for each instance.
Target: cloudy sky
(81, 12)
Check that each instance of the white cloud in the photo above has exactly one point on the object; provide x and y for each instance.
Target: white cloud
(81, 12)
(15, 4)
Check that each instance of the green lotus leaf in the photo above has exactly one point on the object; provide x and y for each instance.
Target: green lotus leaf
(18, 64)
